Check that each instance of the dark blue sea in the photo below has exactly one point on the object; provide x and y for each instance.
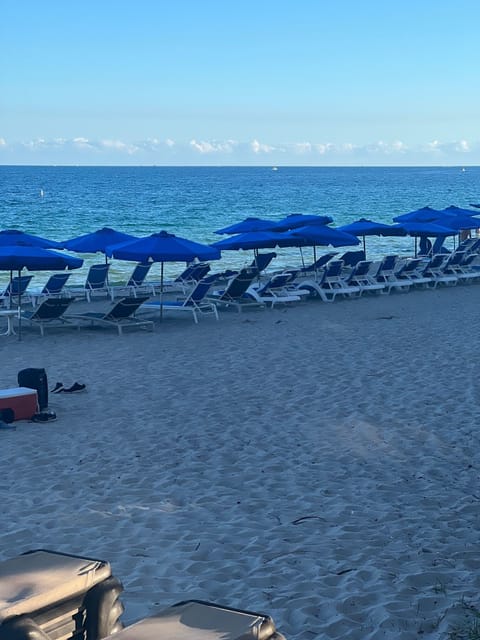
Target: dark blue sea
(64, 202)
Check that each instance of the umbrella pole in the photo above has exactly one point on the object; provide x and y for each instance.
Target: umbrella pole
(19, 308)
(11, 290)
(161, 292)
(416, 239)
(364, 248)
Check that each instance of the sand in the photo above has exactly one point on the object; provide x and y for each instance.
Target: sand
(318, 463)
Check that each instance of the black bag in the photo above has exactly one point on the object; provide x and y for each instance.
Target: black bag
(35, 379)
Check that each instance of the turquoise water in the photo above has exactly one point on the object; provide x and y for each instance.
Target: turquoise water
(64, 202)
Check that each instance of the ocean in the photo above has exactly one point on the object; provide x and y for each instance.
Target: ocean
(63, 202)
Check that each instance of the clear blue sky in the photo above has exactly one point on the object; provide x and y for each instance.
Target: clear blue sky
(311, 82)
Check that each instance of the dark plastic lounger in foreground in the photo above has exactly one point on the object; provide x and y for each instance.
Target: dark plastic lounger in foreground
(53, 596)
(195, 619)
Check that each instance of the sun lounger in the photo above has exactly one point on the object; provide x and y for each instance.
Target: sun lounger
(15, 288)
(276, 290)
(46, 595)
(435, 272)
(121, 315)
(386, 274)
(50, 313)
(360, 277)
(200, 620)
(136, 284)
(96, 282)
(187, 279)
(195, 303)
(235, 294)
(52, 288)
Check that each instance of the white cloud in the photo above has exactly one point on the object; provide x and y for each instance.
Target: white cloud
(82, 143)
(118, 145)
(213, 147)
(462, 145)
(167, 151)
(258, 147)
(302, 147)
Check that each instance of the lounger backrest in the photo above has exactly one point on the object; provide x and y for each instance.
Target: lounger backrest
(361, 268)
(262, 260)
(455, 258)
(351, 258)
(193, 272)
(468, 259)
(17, 286)
(200, 291)
(97, 276)
(52, 308)
(388, 263)
(55, 283)
(333, 268)
(437, 261)
(239, 284)
(320, 261)
(125, 308)
(139, 274)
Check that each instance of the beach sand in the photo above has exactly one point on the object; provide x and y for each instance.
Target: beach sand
(317, 463)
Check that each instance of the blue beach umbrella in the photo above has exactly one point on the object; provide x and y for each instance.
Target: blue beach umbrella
(19, 257)
(162, 247)
(254, 240)
(11, 237)
(246, 226)
(97, 241)
(364, 227)
(295, 220)
(321, 235)
(460, 211)
(425, 230)
(425, 214)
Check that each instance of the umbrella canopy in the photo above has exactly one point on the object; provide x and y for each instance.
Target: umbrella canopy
(162, 247)
(321, 235)
(11, 237)
(246, 226)
(425, 214)
(18, 257)
(255, 240)
(364, 227)
(460, 211)
(460, 222)
(426, 229)
(97, 241)
(295, 220)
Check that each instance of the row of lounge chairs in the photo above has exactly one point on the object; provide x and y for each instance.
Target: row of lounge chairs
(246, 289)
(96, 283)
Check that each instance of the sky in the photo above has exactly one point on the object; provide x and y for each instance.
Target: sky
(240, 82)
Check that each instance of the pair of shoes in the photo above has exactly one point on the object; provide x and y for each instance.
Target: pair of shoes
(75, 388)
(6, 425)
(44, 416)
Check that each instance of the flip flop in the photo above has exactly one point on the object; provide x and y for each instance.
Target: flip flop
(75, 388)
(44, 416)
